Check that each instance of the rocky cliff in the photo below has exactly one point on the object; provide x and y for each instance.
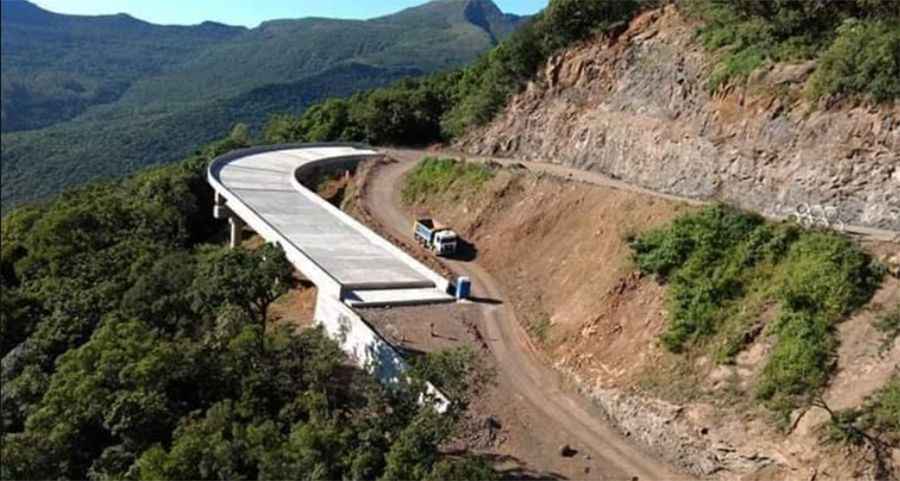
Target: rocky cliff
(637, 107)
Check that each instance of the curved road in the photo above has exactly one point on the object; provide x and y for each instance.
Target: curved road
(516, 357)
(865, 233)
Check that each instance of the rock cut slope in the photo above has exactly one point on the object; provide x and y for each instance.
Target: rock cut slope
(636, 107)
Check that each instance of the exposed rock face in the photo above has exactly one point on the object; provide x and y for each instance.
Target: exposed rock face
(662, 427)
(637, 108)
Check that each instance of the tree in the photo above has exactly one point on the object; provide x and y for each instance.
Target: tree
(18, 317)
(240, 134)
(568, 21)
(161, 293)
(328, 121)
(461, 374)
(249, 280)
(284, 129)
(207, 448)
(467, 468)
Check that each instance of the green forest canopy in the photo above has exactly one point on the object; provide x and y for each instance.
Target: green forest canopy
(856, 43)
(110, 94)
(136, 347)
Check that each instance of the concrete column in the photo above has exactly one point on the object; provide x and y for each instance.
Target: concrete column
(237, 230)
(220, 210)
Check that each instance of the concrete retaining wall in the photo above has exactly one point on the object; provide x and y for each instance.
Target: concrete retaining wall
(365, 346)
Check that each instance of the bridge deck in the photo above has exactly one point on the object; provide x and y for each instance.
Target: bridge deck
(350, 253)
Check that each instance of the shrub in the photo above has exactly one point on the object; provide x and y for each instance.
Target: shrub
(434, 176)
(703, 256)
(800, 361)
(828, 274)
(889, 324)
(857, 43)
(878, 419)
(713, 258)
(883, 411)
(865, 58)
(708, 232)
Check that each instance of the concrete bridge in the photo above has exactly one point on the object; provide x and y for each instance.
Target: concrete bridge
(259, 188)
(350, 265)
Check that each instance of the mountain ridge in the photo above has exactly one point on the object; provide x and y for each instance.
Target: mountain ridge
(57, 96)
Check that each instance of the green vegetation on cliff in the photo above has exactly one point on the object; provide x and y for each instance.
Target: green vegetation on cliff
(856, 42)
(434, 176)
(135, 346)
(877, 419)
(874, 424)
(443, 106)
(724, 266)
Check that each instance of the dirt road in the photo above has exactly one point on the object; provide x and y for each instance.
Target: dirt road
(536, 384)
(864, 233)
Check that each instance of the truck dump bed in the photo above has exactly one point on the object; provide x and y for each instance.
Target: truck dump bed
(431, 224)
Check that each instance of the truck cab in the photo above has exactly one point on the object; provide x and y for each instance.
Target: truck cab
(445, 242)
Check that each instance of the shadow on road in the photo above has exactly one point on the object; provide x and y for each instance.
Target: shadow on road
(509, 467)
(485, 300)
(519, 471)
(465, 251)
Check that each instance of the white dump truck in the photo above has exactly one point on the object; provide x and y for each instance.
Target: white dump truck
(439, 238)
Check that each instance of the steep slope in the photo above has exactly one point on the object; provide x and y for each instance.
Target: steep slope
(431, 37)
(150, 98)
(637, 107)
(56, 66)
(559, 247)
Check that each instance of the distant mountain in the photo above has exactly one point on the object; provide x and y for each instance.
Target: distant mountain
(97, 96)
(55, 66)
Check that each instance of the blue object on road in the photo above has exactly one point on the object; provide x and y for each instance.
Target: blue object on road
(463, 287)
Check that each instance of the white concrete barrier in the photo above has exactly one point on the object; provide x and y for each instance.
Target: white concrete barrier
(365, 346)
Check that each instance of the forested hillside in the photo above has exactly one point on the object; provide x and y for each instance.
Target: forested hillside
(89, 97)
(856, 46)
(55, 66)
(442, 106)
(136, 346)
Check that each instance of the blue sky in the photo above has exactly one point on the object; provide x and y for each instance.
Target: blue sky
(251, 12)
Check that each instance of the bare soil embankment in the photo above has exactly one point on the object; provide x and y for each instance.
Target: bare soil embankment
(539, 411)
(559, 251)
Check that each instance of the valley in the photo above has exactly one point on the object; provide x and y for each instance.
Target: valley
(678, 220)
(88, 98)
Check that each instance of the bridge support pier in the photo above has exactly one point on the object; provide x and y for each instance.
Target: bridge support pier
(237, 230)
(221, 211)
